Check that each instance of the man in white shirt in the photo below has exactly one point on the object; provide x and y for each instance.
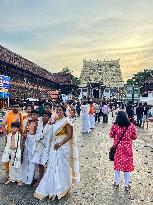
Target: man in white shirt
(105, 111)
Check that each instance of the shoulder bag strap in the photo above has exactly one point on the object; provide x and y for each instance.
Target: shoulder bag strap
(121, 137)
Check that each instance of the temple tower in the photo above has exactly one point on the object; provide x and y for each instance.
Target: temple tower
(107, 72)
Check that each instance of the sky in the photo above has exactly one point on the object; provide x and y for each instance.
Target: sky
(61, 33)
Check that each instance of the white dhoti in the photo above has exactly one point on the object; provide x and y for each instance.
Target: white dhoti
(62, 170)
(85, 123)
(42, 144)
(92, 121)
(28, 167)
(14, 168)
(13, 156)
(40, 155)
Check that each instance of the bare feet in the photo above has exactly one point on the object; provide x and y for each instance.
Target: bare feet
(6, 177)
(36, 184)
(52, 198)
(19, 184)
(7, 182)
(33, 182)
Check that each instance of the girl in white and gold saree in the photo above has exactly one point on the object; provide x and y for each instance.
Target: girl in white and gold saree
(63, 166)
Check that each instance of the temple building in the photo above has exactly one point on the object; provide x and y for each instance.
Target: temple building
(99, 78)
(30, 81)
(106, 72)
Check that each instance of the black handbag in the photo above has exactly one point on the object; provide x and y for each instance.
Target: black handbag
(113, 148)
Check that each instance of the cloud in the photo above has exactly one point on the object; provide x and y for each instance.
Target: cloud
(55, 34)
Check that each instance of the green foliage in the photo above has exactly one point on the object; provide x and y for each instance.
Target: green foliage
(66, 70)
(129, 81)
(77, 80)
(141, 77)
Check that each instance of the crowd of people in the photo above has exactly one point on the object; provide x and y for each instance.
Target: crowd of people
(41, 143)
(141, 111)
(91, 113)
(40, 149)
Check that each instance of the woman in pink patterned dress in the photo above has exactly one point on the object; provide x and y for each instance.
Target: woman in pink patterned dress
(123, 160)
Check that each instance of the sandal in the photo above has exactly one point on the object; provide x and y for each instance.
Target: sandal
(116, 187)
(127, 189)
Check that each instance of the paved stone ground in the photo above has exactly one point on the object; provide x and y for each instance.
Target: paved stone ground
(96, 187)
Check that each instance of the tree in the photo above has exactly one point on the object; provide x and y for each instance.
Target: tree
(74, 79)
(141, 77)
(129, 81)
(66, 70)
(77, 80)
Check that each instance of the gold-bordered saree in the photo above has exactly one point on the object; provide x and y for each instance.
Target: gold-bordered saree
(63, 164)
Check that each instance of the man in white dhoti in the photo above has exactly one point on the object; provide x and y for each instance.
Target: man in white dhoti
(12, 154)
(63, 166)
(42, 144)
(85, 118)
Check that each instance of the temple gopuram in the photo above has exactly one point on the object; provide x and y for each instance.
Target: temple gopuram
(100, 78)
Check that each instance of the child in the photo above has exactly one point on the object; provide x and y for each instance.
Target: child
(12, 154)
(27, 116)
(42, 144)
(28, 167)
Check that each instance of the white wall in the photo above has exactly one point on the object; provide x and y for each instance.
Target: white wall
(107, 93)
(82, 94)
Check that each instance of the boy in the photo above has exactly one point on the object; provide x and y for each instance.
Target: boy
(42, 144)
(28, 167)
(27, 116)
(14, 115)
(12, 154)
